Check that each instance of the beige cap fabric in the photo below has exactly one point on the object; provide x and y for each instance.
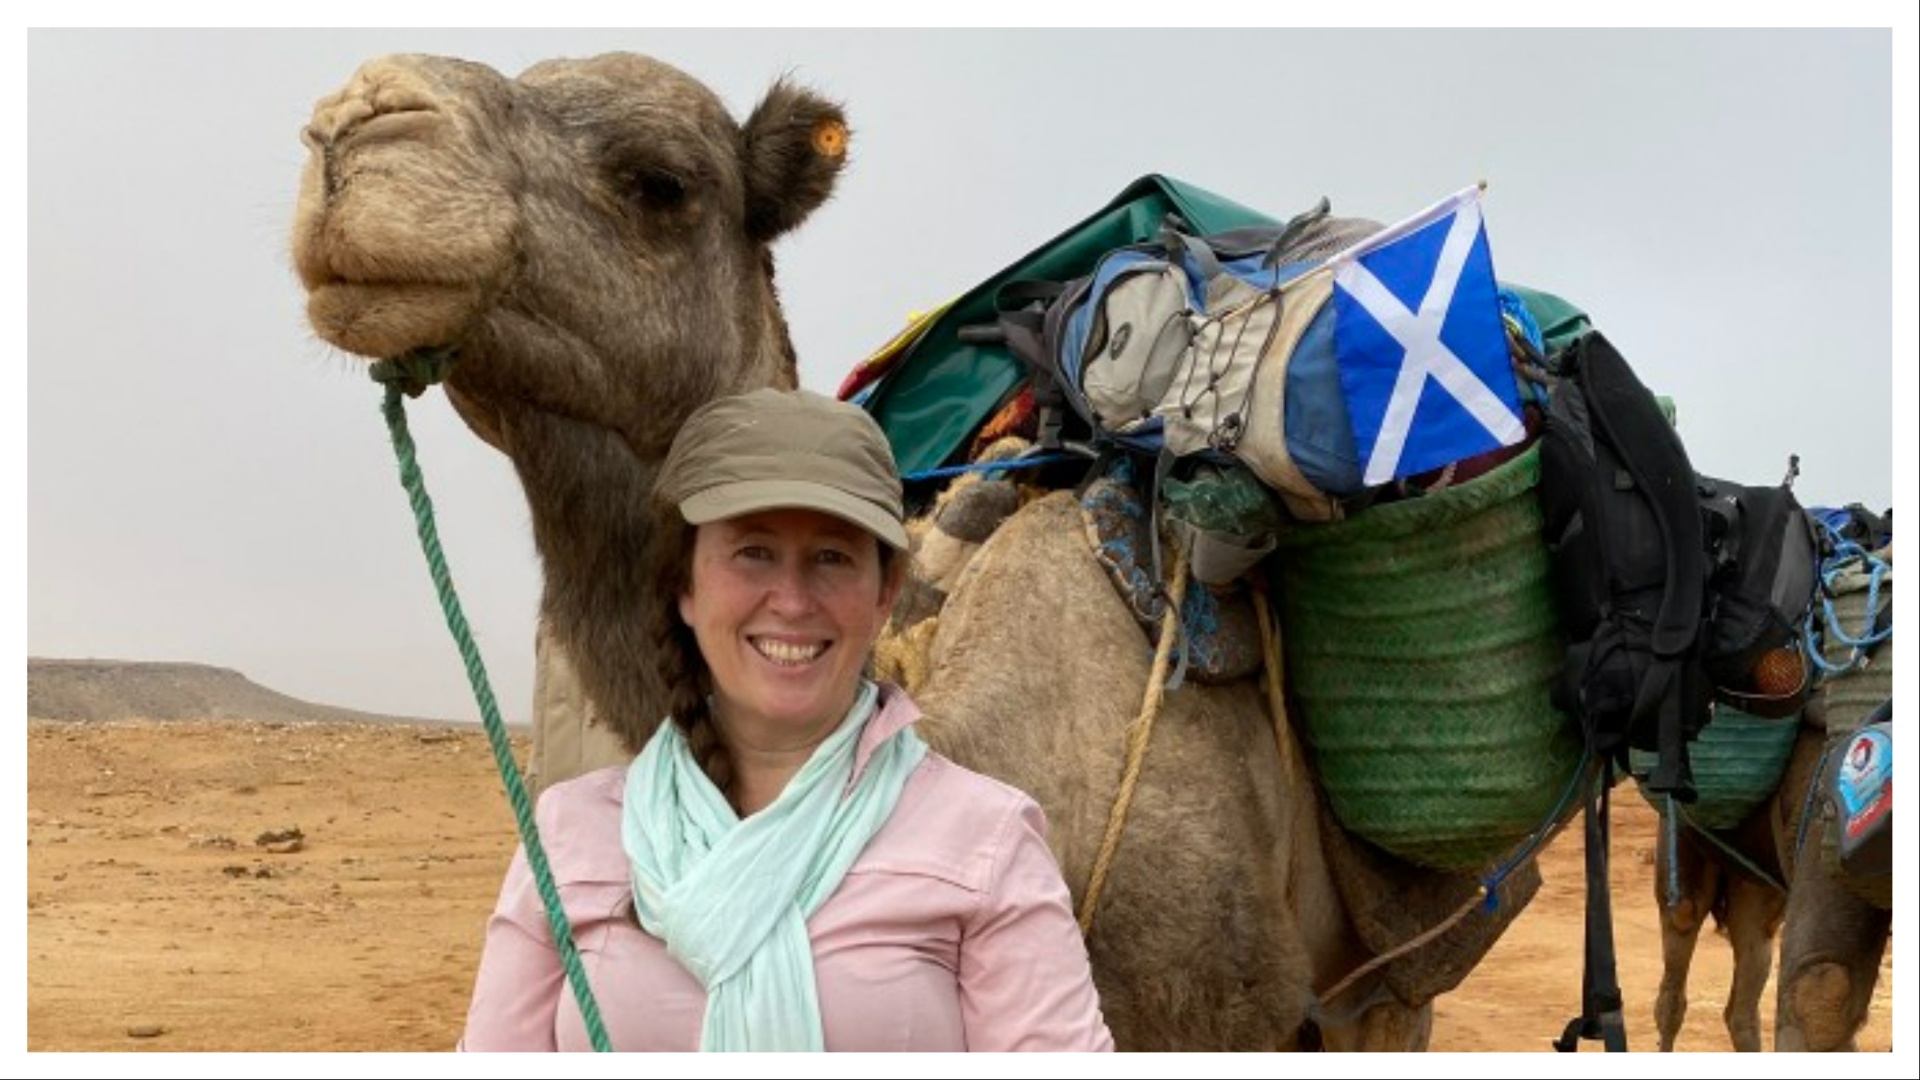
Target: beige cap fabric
(784, 449)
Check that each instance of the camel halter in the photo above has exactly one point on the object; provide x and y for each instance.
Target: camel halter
(412, 374)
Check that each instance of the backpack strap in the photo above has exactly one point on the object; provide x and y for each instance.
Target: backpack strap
(1290, 233)
(1020, 327)
(1627, 415)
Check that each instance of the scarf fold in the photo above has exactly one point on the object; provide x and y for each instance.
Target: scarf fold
(731, 898)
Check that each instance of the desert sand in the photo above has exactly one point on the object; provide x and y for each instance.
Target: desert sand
(246, 885)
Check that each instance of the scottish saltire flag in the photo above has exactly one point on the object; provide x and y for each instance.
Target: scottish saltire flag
(1421, 348)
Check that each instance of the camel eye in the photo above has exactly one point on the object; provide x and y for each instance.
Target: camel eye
(661, 190)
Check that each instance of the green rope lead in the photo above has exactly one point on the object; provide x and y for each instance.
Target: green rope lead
(412, 375)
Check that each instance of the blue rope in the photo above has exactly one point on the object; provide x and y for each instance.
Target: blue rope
(1512, 307)
(1670, 825)
(1525, 849)
(1845, 553)
(1807, 804)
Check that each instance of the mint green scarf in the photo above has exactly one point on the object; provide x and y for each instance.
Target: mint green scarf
(730, 897)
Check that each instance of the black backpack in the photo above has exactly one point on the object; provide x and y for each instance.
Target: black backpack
(1673, 586)
(1763, 552)
(1623, 527)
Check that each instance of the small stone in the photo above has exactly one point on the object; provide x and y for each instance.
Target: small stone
(281, 840)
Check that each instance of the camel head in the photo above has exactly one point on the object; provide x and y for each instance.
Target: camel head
(591, 238)
(591, 241)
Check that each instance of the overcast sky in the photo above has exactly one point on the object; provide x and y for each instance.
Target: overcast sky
(208, 482)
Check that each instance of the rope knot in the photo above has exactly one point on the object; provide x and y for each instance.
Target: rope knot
(414, 371)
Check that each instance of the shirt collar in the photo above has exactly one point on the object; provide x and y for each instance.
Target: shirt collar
(894, 711)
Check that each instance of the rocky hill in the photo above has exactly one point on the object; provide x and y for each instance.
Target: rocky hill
(137, 690)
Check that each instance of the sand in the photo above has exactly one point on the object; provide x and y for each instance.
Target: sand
(240, 885)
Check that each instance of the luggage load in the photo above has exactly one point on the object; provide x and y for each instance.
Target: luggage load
(943, 385)
(1850, 634)
(1436, 555)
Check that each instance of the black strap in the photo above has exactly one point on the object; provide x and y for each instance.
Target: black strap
(1025, 292)
(1661, 694)
(1021, 329)
(1600, 1016)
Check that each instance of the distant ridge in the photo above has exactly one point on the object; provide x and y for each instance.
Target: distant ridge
(139, 690)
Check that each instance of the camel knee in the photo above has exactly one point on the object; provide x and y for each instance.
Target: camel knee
(1685, 914)
(1815, 1011)
(1386, 1027)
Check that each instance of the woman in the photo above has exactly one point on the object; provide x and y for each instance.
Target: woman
(785, 865)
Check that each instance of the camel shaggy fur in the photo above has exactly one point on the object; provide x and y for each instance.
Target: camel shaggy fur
(592, 240)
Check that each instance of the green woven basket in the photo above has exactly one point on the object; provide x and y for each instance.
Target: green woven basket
(1421, 643)
(1737, 761)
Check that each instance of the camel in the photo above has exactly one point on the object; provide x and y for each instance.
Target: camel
(592, 239)
(1724, 884)
(1765, 874)
(1832, 941)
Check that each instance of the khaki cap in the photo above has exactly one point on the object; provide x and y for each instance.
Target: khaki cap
(784, 449)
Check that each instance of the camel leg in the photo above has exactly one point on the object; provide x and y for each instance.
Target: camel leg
(1754, 910)
(1829, 961)
(1681, 917)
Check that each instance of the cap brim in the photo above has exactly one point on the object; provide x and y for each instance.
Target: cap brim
(752, 496)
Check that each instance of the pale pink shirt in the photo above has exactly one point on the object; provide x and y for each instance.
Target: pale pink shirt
(952, 931)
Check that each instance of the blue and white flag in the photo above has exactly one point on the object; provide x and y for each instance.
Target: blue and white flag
(1421, 348)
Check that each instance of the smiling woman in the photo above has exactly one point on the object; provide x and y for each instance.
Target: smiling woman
(786, 865)
(792, 509)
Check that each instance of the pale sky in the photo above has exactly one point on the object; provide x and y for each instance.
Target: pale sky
(208, 482)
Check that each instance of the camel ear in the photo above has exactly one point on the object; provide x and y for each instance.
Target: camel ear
(796, 144)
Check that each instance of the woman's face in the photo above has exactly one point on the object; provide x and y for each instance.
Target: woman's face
(785, 605)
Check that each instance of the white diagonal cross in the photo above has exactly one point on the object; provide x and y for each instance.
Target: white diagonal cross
(1419, 333)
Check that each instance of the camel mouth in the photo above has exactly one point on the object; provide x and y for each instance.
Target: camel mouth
(788, 653)
(327, 259)
(324, 278)
(344, 243)
(390, 319)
